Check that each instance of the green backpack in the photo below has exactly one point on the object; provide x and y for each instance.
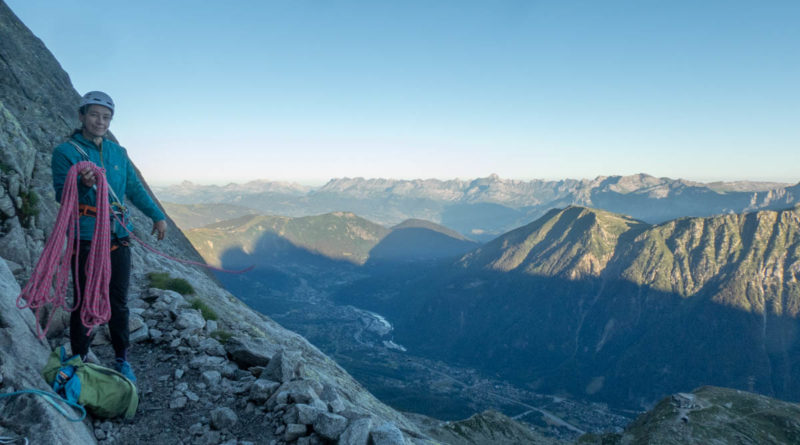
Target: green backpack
(102, 391)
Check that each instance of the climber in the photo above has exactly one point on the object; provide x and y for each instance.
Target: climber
(89, 142)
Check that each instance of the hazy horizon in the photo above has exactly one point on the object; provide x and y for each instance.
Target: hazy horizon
(320, 183)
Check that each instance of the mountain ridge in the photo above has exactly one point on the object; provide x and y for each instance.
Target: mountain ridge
(483, 208)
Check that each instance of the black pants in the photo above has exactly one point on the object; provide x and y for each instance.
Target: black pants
(118, 298)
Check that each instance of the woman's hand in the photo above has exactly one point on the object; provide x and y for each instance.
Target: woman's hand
(160, 228)
(87, 177)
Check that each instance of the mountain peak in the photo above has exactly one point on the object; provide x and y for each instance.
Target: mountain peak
(573, 242)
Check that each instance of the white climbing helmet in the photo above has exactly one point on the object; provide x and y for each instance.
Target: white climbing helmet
(97, 98)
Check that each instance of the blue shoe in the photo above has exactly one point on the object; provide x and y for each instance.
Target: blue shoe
(124, 368)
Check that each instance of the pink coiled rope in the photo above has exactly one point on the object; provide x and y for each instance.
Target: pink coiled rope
(49, 282)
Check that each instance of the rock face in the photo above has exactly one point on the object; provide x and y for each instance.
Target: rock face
(22, 357)
(193, 388)
(711, 415)
(486, 428)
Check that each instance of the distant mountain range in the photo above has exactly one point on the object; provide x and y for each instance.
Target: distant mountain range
(486, 207)
(600, 305)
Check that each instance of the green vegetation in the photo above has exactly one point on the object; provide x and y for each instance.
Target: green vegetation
(30, 203)
(162, 280)
(204, 309)
(221, 336)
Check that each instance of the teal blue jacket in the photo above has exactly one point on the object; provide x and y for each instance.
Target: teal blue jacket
(120, 176)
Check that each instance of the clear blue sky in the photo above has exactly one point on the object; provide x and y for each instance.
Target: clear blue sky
(310, 90)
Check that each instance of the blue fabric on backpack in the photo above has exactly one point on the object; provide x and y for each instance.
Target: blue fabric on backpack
(72, 390)
(67, 384)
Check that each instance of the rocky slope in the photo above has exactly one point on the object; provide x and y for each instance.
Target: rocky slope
(711, 415)
(238, 379)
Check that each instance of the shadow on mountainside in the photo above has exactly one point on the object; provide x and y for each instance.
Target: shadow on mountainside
(603, 340)
(482, 221)
(414, 244)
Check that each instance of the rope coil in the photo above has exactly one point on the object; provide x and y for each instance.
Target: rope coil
(49, 282)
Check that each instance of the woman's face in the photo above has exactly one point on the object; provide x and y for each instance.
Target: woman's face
(96, 120)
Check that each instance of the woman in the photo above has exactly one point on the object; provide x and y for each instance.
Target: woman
(89, 143)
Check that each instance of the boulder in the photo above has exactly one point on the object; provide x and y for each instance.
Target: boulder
(329, 425)
(212, 347)
(296, 391)
(357, 432)
(190, 320)
(222, 418)
(247, 351)
(387, 434)
(262, 389)
(284, 366)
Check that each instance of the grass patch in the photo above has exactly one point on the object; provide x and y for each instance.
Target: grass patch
(162, 280)
(30, 204)
(221, 336)
(204, 309)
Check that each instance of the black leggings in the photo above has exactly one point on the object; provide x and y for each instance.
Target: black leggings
(118, 298)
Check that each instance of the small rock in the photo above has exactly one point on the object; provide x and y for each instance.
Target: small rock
(190, 320)
(155, 334)
(192, 396)
(178, 374)
(211, 378)
(178, 402)
(222, 418)
(107, 426)
(212, 347)
(139, 335)
(206, 362)
(387, 434)
(196, 429)
(99, 434)
(210, 438)
(295, 430)
(261, 390)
